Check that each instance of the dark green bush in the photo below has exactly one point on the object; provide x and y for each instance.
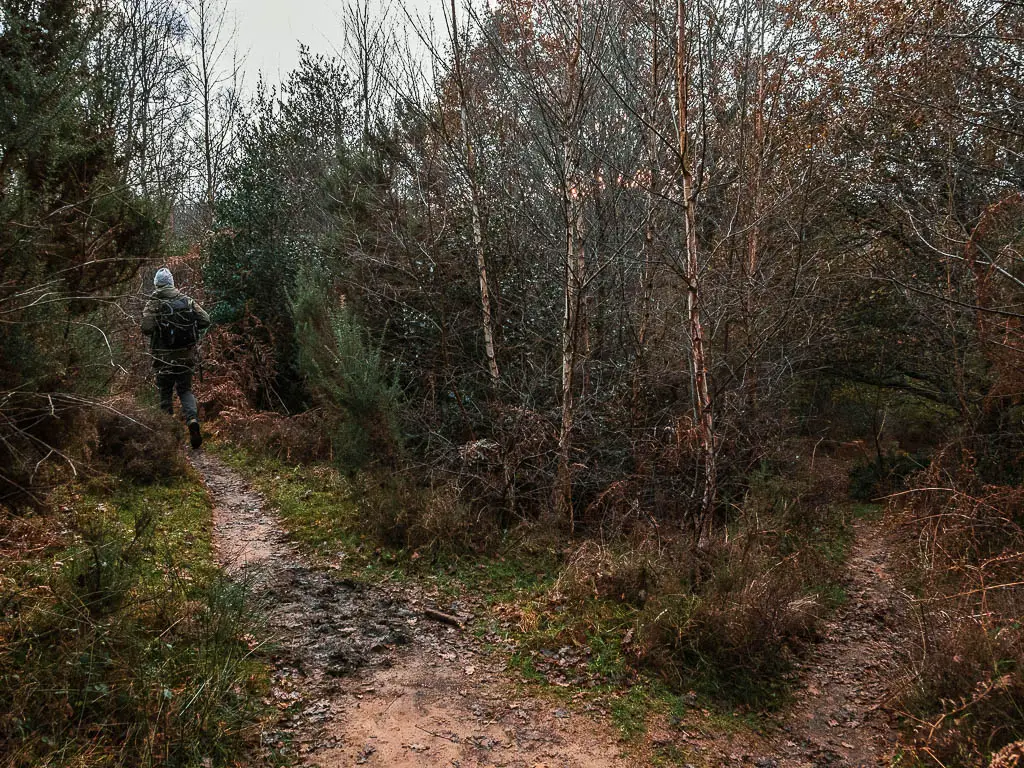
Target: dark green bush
(345, 374)
(883, 475)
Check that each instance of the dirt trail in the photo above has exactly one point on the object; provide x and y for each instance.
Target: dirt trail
(839, 717)
(373, 680)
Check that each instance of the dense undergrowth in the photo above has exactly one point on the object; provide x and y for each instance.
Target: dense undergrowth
(962, 549)
(121, 643)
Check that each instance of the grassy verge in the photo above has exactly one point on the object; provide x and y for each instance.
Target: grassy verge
(317, 505)
(120, 641)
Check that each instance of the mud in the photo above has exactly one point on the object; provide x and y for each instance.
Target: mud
(365, 677)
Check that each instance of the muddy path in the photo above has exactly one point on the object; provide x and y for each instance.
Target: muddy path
(366, 677)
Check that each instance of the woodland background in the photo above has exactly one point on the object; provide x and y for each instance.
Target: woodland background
(655, 286)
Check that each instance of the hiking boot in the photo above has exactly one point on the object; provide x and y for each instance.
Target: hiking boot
(195, 436)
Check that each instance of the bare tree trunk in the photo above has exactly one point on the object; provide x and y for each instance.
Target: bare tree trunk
(478, 234)
(750, 373)
(215, 87)
(575, 272)
(650, 231)
(204, 75)
(572, 322)
(699, 369)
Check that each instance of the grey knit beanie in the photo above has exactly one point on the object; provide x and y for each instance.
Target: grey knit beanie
(163, 277)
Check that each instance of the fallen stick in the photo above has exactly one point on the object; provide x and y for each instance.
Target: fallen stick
(453, 738)
(444, 618)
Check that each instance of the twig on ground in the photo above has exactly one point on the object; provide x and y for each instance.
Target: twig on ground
(444, 618)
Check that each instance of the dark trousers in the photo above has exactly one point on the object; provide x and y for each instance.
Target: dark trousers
(181, 381)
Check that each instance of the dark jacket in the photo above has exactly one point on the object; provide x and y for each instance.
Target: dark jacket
(170, 359)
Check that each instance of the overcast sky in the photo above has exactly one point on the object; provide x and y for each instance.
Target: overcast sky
(269, 31)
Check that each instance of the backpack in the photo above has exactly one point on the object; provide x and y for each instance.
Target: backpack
(177, 324)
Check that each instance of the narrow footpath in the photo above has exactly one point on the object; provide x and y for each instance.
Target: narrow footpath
(840, 716)
(367, 677)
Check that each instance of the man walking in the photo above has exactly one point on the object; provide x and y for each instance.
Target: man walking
(174, 323)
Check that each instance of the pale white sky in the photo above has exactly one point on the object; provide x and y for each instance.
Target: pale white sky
(269, 31)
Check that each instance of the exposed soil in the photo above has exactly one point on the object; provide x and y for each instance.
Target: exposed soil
(367, 677)
(840, 715)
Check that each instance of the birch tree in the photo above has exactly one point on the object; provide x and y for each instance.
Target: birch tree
(459, 77)
(213, 75)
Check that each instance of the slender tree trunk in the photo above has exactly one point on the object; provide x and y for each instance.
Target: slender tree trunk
(698, 357)
(750, 374)
(207, 119)
(478, 234)
(647, 278)
(575, 276)
(572, 322)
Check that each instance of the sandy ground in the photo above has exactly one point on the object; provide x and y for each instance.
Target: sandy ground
(373, 680)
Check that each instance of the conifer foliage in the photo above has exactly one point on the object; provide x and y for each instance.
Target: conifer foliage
(71, 231)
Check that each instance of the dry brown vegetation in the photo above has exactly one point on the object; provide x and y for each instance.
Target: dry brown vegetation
(620, 280)
(963, 551)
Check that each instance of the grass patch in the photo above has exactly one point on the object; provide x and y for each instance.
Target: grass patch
(869, 512)
(630, 711)
(505, 577)
(317, 505)
(356, 521)
(122, 644)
